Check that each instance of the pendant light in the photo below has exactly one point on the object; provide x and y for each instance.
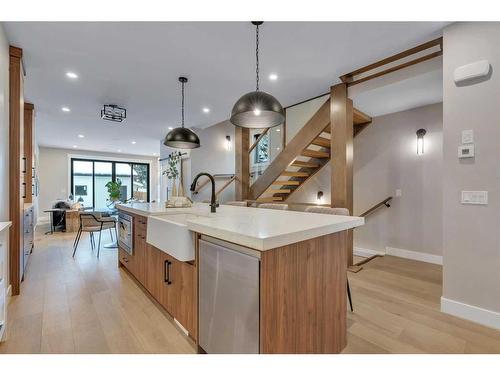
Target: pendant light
(182, 137)
(257, 109)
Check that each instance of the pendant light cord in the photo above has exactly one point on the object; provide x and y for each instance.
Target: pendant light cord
(257, 56)
(182, 105)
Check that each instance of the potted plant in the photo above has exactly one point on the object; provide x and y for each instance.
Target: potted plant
(114, 190)
(172, 172)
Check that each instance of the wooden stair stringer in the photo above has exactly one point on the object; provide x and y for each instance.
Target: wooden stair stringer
(310, 131)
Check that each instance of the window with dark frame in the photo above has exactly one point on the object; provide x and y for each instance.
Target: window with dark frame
(261, 154)
(91, 175)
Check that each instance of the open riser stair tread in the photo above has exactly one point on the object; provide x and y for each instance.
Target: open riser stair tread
(304, 164)
(285, 183)
(315, 154)
(323, 142)
(278, 191)
(294, 174)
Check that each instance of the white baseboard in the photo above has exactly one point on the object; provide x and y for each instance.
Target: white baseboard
(415, 255)
(366, 253)
(473, 313)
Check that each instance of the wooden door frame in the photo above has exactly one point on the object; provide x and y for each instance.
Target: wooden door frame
(15, 209)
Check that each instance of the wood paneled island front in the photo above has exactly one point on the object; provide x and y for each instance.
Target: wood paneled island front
(301, 277)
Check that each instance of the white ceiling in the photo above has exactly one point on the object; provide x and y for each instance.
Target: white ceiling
(136, 65)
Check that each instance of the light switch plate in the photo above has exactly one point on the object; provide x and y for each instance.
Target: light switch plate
(466, 151)
(467, 136)
(474, 197)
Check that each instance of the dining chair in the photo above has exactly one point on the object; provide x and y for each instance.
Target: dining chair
(237, 203)
(333, 211)
(274, 206)
(93, 222)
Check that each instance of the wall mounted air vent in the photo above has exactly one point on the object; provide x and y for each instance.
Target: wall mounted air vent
(112, 112)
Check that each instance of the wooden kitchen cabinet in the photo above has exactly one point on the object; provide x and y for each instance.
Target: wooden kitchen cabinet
(155, 269)
(126, 260)
(171, 282)
(182, 296)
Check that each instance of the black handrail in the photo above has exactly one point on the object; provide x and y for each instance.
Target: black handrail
(385, 202)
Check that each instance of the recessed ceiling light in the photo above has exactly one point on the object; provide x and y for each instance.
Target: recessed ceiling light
(75, 146)
(273, 76)
(155, 154)
(81, 136)
(170, 128)
(65, 109)
(134, 142)
(119, 150)
(71, 75)
(278, 130)
(206, 110)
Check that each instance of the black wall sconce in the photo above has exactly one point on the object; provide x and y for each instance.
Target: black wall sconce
(228, 142)
(319, 197)
(420, 141)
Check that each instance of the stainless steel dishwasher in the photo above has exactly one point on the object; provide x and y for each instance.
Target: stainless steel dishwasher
(228, 297)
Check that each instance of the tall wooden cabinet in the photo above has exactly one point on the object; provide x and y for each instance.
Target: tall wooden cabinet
(16, 154)
(172, 283)
(21, 172)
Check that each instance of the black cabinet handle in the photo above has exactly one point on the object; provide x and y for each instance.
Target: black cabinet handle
(24, 191)
(165, 266)
(24, 166)
(166, 272)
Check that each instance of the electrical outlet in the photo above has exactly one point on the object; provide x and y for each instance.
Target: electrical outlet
(474, 197)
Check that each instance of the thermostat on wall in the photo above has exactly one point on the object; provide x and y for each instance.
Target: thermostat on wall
(465, 151)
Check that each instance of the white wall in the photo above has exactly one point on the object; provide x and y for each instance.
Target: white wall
(385, 159)
(297, 116)
(213, 157)
(471, 235)
(54, 173)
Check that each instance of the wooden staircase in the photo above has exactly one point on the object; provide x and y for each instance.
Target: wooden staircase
(302, 158)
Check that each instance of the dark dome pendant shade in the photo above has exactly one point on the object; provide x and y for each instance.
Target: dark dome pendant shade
(257, 109)
(182, 137)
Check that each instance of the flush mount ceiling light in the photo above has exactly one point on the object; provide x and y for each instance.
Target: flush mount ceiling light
(182, 137)
(112, 112)
(257, 109)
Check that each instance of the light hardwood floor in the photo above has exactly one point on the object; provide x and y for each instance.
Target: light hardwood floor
(85, 305)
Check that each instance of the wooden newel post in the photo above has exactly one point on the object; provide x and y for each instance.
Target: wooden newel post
(341, 122)
(242, 163)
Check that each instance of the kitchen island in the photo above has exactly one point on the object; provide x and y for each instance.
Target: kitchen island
(243, 279)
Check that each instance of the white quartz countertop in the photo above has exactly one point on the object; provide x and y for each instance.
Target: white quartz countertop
(257, 228)
(4, 225)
